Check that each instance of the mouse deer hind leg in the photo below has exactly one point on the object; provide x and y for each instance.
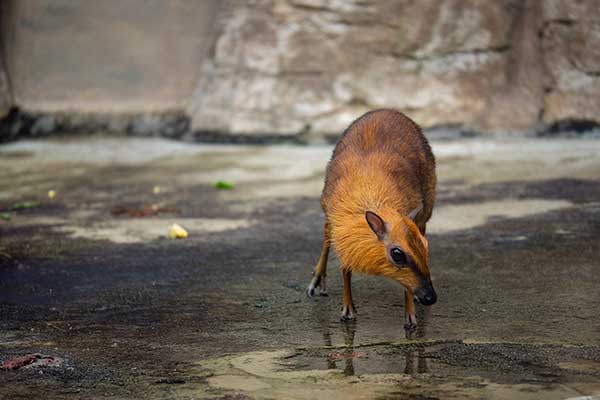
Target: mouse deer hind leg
(320, 272)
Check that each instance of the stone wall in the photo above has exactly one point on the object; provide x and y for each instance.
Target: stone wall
(5, 92)
(571, 47)
(302, 68)
(286, 67)
(487, 65)
(105, 56)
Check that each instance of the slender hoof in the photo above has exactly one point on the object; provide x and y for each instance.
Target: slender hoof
(317, 281)
(409, 326)
(314, 282)
(411, 322)
(347, 313)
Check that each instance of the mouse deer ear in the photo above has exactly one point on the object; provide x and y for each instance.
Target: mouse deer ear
(377, 224)
(413, 214)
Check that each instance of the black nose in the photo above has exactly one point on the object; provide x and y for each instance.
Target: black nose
(426, 296)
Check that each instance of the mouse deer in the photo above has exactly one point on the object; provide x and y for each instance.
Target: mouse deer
(378, 196)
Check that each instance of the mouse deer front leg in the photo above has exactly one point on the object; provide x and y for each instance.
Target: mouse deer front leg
(409, 312)
(320, 272)
(348, 309)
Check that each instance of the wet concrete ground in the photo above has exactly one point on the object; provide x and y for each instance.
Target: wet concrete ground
(223, 314)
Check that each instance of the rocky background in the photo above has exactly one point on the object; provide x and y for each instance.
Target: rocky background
(296, 69)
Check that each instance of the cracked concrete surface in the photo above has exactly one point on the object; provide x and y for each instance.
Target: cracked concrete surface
(223, 314)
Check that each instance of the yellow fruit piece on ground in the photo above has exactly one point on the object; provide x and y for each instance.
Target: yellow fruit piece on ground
(177, 232)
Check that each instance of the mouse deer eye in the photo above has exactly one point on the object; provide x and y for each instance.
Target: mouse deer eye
(398, 256)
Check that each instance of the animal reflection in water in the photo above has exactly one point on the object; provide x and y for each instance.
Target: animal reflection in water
(415, 356)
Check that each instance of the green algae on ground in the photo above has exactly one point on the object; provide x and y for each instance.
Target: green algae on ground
(224, 185)
(25, 205)
(7, 214)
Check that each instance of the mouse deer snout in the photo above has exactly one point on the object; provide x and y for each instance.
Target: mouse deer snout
(426, 294)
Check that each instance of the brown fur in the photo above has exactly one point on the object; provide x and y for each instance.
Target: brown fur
(383, 164)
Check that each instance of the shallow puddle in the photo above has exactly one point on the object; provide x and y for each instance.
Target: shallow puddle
(321, 372)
